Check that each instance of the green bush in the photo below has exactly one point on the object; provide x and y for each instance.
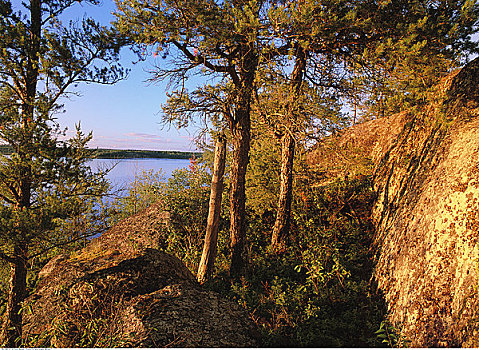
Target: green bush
(147, 188)
(184, 196)
(317, 293)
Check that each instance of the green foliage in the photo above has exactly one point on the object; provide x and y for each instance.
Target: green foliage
(390, 336)
(263, 173)
(45, 185)
(210, 37)
(146, 189)
(424, 42)
(63, 192)
(186, 199)
(184, 196)
(318, 293)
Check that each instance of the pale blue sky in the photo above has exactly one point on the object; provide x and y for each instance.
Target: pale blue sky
(126, 115)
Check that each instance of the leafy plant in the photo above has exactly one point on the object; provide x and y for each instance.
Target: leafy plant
(391, 336)
(317, 293)
(145, 189)
(184, 196)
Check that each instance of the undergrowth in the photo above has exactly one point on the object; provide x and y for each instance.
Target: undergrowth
(318, 293)
(315, 294)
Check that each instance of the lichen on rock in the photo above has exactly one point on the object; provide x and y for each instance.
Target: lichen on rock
(121, 292)
(426, 215)
(427, 218)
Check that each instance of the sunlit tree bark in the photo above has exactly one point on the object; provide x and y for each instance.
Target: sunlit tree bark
(208, 257)
(282, 224)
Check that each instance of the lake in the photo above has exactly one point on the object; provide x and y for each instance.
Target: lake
(125, 170)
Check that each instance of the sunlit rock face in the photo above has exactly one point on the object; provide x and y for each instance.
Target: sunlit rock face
(120, 291)
(427, 216)
(426, 174)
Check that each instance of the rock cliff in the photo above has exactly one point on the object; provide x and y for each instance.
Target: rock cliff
(427, 216)
(426, 175)
(119, 292)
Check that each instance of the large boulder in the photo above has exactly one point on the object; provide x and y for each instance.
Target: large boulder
(425, 163)
(121, 292)
(427, 217)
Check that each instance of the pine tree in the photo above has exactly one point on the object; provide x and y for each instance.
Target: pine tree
(412, 41)
(322, 36)
(219, 38)
(45, 181)
(419, 43)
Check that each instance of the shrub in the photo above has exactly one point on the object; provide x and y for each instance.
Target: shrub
(317, 294)
(147, 188)
(184, 196)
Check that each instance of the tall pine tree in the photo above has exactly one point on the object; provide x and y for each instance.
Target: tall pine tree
(44, 181)
(219, 38)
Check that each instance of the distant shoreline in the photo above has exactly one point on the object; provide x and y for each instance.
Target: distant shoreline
(106, 153)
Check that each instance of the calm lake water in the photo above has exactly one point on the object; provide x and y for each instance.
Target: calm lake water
(125, 170)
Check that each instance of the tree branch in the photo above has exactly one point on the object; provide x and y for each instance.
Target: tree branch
(7, 258)
(62, 244)
(201, 59)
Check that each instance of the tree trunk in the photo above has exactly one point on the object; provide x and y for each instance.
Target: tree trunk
(240, 126)
(241, 145)
(11, 333)
(12, 325)
(210, 247)
(282, 224)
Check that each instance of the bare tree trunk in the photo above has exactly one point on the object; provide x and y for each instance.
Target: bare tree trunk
(210, 247)
(282, 224)
(12, 326)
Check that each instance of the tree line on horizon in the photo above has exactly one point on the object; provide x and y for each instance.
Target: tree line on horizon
(108, 153)
(275, 70)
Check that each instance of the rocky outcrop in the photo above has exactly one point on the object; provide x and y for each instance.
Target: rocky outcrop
(119, 292)
(427, 217)
(426, 174)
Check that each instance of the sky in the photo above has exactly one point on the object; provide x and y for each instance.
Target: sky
(126, 115)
